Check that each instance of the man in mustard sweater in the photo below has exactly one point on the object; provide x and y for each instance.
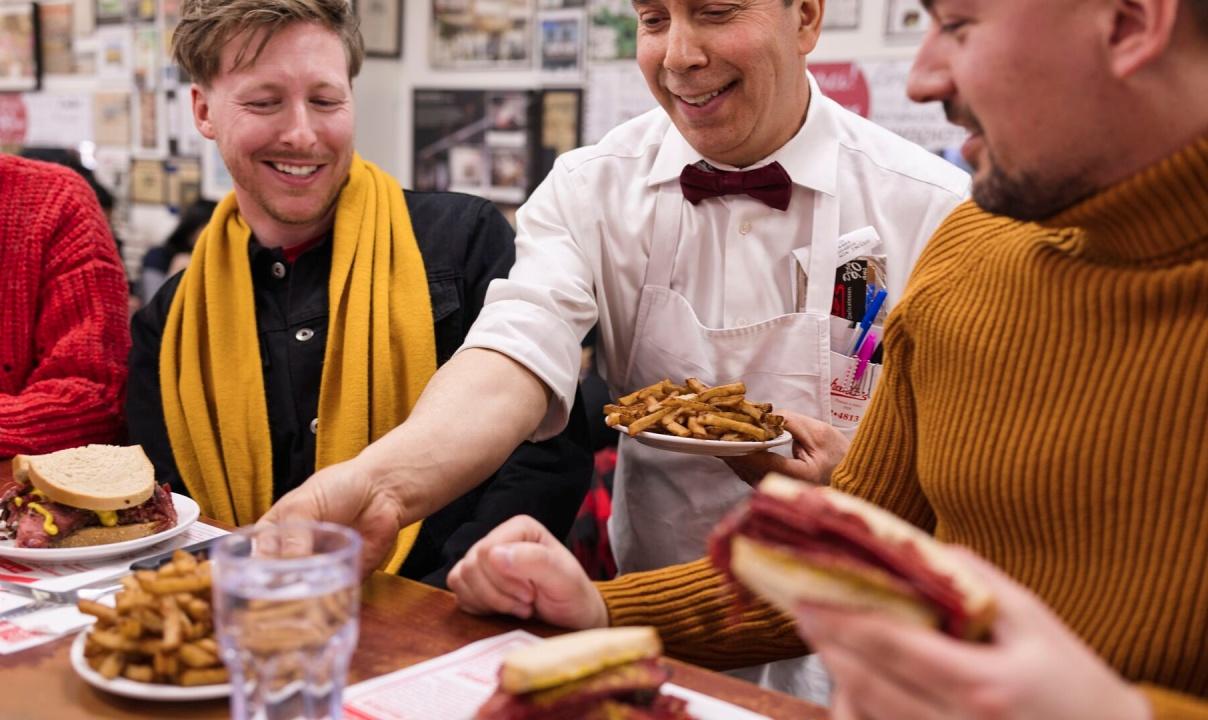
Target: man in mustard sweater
(1044, 403)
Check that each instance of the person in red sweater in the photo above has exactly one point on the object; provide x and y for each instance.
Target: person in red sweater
(64, 336)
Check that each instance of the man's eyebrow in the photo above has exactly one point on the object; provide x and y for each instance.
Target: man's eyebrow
(271, 85)
(642, 3)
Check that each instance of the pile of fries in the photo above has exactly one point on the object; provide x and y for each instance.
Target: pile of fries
(161, 629)
(695, 410)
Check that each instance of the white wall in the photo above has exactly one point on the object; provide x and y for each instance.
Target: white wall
(384, 88)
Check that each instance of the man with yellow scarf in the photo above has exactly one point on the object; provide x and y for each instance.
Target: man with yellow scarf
(321, 298)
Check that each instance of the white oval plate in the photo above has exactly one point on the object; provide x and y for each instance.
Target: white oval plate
(696, 446)
(187, 513)
(142, 691)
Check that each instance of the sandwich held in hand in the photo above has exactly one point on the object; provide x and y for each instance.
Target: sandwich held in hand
(695, 410)
(607, 674)
(794, 543)
(92, 495)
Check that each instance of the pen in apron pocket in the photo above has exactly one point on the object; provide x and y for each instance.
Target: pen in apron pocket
(870, 314)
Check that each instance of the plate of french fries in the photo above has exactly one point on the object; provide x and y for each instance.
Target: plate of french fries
(157, 640)
(698, 419)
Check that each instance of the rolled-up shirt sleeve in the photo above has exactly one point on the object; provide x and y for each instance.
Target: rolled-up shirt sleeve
(540, 313)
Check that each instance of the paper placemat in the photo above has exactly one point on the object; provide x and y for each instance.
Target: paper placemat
(453, 686)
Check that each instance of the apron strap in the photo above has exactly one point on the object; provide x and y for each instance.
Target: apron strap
(824, 254)
(664, 241)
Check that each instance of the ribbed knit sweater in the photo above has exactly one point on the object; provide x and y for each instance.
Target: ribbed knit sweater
(1045, 403)
(64, 329)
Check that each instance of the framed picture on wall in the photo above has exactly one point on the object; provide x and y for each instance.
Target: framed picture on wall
(112, 11)
(842, 15)
(493, 36)
(20, 47)
(906, 19)
(561, 42)
(381, 27)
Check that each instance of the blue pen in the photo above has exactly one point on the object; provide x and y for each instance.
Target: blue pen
(869, 315)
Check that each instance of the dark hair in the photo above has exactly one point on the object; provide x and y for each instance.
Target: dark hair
(1199, 11)
(71, 159)
(192, 220)
(207, 25)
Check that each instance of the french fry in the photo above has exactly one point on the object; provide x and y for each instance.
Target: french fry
(743, 428)
(183, 562)
(113, 641)
(104, 613)
(110, 666)
(139, 673)
(173, 585)
(172, 622)
(212, 676)
(737, 388)
(195, 656)
(638, 426)
(675, 428)
(129, 628)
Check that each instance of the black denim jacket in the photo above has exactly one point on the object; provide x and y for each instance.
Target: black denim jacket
(465, 244)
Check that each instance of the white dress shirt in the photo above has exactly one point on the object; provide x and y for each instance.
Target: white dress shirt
(583, 238)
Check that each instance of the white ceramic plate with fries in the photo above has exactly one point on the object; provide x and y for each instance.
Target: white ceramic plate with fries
(140, 690)
(156, 641)
(715, 448)
(697, 419)
(187, 513)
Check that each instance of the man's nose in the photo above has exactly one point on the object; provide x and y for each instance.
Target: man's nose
(299, 129)
(685, 50)
(930, 79)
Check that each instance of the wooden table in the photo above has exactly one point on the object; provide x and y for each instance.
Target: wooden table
(402, 623)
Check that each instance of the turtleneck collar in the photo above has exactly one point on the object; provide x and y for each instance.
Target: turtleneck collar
(1159, 213)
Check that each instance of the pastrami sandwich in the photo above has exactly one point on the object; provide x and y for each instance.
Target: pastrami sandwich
(794, 543)
(93, 495)
(608, 674)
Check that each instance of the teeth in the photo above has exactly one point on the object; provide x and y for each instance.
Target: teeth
(701, 99)
(296, 169)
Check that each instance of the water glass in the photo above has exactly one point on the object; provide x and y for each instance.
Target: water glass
(286, 602)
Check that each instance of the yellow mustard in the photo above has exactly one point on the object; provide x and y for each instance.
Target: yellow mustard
(108, 518)
(18, 501)
(48, 522)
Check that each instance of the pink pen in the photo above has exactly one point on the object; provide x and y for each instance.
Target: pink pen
(866, 351)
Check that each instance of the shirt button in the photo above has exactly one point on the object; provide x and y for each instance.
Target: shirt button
(314, 426)
(744, 228)
(278, 270)
(304, 334)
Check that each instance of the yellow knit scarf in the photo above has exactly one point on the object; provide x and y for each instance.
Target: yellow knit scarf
(381, 351)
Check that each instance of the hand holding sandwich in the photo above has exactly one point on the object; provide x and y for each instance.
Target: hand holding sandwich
(1034, 666)
(817, 449)
(521, 569)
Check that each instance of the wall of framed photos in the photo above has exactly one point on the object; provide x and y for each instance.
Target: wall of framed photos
(458, 55)
(471, 95)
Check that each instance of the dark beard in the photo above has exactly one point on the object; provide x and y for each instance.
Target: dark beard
(1027, 197)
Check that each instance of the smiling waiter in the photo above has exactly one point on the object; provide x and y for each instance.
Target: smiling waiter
(682, 234)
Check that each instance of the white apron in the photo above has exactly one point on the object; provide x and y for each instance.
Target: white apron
(665, 504)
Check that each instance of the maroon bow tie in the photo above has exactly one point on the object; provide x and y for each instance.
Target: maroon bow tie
(769, 184)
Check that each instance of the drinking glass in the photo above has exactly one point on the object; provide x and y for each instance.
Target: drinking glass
(286, 601)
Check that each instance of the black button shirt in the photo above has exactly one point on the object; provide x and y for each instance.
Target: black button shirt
(465, 244)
